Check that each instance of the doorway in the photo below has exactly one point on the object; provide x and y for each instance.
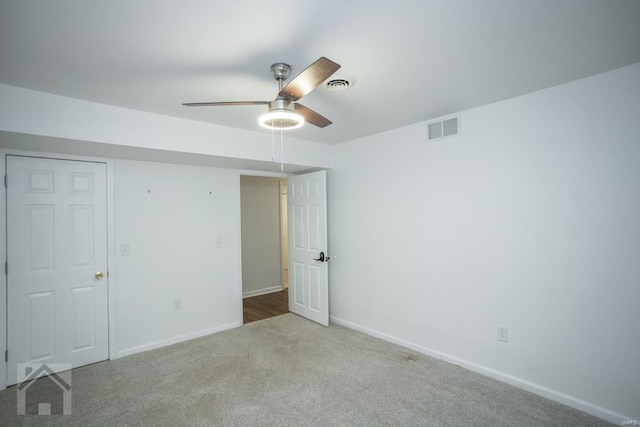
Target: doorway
(264, 247)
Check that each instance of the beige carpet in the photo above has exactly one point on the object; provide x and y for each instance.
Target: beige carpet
(287, 371)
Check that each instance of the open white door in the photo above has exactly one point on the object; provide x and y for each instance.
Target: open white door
(57, 261)
(308, 267)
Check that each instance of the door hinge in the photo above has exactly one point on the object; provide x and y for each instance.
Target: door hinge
(6, 268)
(6, 355)
(6, 181)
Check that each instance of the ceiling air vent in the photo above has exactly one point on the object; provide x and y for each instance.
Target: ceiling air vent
(339, 83)
(443, 128)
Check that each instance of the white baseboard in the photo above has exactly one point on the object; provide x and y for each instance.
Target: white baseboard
(262, 291)
(177, 339)
(545, 392)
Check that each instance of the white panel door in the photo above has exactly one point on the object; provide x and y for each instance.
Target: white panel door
(56, 248)
(308, 267)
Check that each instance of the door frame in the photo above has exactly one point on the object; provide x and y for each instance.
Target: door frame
(110, 248)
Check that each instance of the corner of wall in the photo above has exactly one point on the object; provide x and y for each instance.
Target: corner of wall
(3, 281)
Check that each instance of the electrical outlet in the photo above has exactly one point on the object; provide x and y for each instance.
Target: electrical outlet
(503, 334)
(177, 304)
(219, 242)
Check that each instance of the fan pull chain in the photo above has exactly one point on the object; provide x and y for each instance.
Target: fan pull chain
(281, 152)
(273, 147)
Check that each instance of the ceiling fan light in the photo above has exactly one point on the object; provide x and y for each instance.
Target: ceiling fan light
(281, 120)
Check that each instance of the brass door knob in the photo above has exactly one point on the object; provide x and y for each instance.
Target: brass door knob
(99, 275)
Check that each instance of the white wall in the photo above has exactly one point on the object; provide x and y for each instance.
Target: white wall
(261, 263)
(530, 219)
(171, 216)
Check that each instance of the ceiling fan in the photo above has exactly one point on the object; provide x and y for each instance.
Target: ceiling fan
(284, 112)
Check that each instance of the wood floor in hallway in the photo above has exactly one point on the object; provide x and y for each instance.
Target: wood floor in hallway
(265, 306)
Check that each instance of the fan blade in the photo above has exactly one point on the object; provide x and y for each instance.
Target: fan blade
(311, 116)
(309, 79)
(208, 104)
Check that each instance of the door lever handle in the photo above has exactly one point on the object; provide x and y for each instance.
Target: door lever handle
(321, 258)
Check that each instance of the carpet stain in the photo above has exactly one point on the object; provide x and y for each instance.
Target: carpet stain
(411, 358)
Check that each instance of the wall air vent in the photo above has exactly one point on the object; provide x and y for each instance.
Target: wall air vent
(443, 128)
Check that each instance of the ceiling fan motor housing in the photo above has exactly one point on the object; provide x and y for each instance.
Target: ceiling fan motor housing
(281, 115)
(281, 104)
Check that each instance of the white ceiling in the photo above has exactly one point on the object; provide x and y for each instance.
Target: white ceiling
(413, 60)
